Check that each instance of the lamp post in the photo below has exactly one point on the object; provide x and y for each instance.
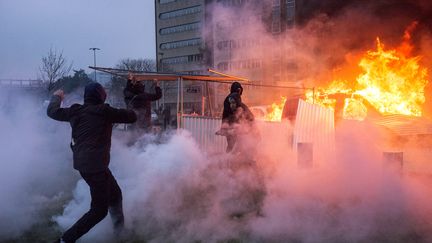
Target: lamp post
(161, 70)
(94, 49)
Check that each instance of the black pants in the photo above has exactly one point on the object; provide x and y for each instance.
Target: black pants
(105, 196)
(231, 141)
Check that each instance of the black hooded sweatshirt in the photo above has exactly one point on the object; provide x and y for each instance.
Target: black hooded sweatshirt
(91, 127)
(232, 105)
(137, 99)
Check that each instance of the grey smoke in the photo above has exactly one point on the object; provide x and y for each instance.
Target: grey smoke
(175, 192)
(34, 164)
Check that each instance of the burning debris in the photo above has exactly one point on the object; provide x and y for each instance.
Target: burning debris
(276, 110)
(392, 82)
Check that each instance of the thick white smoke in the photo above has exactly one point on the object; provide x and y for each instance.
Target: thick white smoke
(173, 192)
(34, 162)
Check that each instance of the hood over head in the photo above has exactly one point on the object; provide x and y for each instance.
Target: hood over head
(136, 88)
(94, 94)
(236, 87)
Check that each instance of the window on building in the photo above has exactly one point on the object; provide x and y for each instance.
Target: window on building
(290, 9)
(168, 1)
(241, 64)
(182, 59)
(232, 3)
(180, 28)
(180, 44)
(180, 12)
(236, 44)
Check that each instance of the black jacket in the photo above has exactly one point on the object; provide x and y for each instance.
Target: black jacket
(140, 101)
(235, 110)
(91, 130)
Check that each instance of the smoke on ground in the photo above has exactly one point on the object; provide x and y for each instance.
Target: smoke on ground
(175, 192)
(34, 162)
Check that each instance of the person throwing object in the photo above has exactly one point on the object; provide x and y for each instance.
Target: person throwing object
(91, 143)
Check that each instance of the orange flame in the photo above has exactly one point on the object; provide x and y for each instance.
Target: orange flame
(275, 113)
(392, 81)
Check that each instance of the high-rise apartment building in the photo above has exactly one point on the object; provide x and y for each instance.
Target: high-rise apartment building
(179, 37)
(179, 47)
(239, 37)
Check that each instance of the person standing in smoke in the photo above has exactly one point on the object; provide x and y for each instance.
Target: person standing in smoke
(138, 100)
(234, 113)
(91, 143)
(166, 116)
(238, 126)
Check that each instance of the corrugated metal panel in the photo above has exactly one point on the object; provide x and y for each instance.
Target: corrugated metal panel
(314, 124)
(203, 131)
(405, 125)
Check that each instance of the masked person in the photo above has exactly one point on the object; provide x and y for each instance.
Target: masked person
(235, 112)
(138, 100)
(91, 143)
(242, 136)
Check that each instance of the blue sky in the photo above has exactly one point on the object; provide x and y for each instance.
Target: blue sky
(28, 28)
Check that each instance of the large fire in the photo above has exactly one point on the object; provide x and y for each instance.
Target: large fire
(392, 81)
(275, 112)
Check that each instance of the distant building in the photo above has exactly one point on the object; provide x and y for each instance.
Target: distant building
(194, 35)
(179, 47)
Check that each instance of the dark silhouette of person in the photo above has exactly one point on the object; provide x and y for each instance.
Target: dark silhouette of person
(166, 116)
(234, 113)
(138, 100)
(91, 143)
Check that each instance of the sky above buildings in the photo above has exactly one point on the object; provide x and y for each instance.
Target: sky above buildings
(28, 28)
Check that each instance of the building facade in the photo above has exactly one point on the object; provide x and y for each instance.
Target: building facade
(180, 47)
(240, 37)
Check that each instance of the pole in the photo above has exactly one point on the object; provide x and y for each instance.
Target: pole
(94, 49)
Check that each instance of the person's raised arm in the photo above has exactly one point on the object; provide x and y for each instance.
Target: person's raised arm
(151, 97)
(121, 115)
(54, 110)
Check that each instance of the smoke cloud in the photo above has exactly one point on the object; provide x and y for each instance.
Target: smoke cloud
(34, 163)
(325, 44)
(175, 192)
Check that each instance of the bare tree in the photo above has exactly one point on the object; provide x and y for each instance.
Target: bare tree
(144, 65)
(54, 66)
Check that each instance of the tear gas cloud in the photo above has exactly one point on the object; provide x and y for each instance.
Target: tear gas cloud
(173, 191)
(34, 163)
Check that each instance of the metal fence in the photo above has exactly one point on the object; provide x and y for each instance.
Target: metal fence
(203, 131)
(314, 125)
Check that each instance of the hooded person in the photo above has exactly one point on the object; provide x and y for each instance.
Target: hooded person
(91, 144)
(242, 137)
(138, 100)
(234, 113)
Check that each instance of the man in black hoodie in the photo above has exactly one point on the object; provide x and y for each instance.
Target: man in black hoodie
(91, 143)
(234, 113)
(140, 101)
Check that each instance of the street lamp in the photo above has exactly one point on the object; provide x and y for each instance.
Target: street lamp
(94, 49)
(157, 62)
(161, 70)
